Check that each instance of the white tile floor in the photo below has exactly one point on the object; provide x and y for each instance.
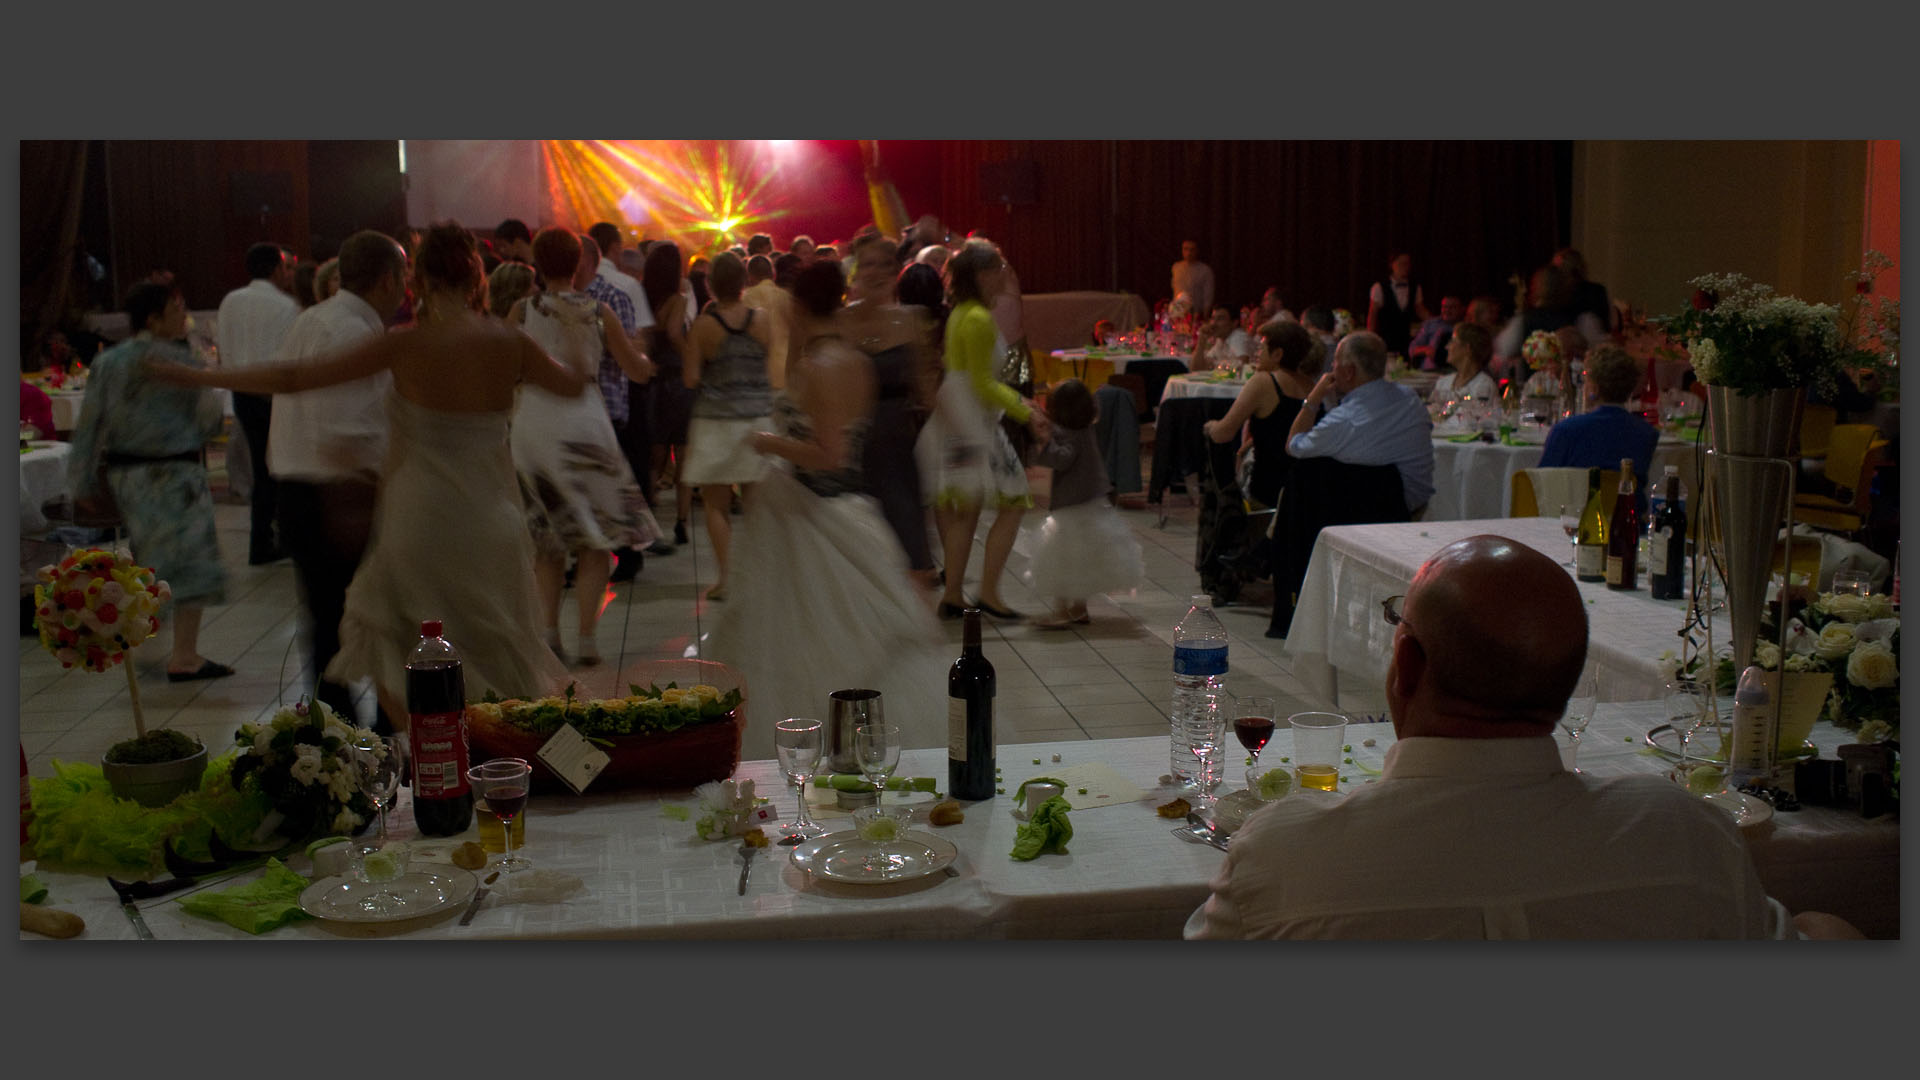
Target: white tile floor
(1110, 679)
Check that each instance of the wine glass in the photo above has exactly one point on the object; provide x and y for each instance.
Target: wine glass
(1204, 733)
(1253, 726)
(378, 759)
(1570, 524)
(1579, 714)
(503, 783)
(1686, 701)
(877, 749)
(798, 742)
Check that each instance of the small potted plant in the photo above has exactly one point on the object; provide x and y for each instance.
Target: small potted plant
(91, 609)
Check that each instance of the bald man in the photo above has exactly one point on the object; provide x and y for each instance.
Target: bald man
(1475, 830)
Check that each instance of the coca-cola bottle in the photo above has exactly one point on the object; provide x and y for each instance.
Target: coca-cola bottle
(437, 711)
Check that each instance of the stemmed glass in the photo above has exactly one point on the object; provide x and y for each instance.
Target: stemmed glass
(798, 742)
(1204, 734)
(1253, 726)
(1686, 702)
(877, 748)
(378, 758)
(503, 783)
(1579, 714)
(1570, 524)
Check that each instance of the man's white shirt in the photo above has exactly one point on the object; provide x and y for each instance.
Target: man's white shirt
(252, 322)
(335, 432)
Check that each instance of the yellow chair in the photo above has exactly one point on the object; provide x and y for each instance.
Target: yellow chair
(1853, 454)
(1806, 560)
(1526, 504)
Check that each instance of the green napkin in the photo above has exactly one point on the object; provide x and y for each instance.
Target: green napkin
(1514, 440)
(1049, 830)
(32, 889)
(1464, 438)
(266, 903)
(856, 782)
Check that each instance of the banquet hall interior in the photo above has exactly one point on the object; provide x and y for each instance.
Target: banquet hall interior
(1090, 230)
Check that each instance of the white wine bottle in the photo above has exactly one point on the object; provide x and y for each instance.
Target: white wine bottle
(1590, 542)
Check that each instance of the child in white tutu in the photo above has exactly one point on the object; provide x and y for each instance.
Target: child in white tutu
(1084, 548)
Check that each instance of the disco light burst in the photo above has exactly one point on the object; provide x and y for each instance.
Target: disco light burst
(704, 195)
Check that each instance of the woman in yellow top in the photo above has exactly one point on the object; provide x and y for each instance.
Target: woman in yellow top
(972, 462)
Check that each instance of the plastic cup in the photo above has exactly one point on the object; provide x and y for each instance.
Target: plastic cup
(1317, 741)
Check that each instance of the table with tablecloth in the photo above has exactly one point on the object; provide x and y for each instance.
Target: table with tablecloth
(1338, 633)
(43, 481)
(643, 873)
(1475, 479)
(1179, 444)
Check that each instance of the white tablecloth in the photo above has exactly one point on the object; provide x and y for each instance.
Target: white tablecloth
(43, 480)
(646, 876)
(1181, 386)
(1338, 632)
(1475, 480)
(66, 408)
(1079, 358)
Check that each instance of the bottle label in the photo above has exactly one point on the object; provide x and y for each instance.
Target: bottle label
(1591, 561)
(1615, 565)
(1199, 662)
(957, 729)
(1657, 551)
(439, 755)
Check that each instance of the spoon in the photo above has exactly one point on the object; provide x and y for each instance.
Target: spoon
(746, 853)
(791, 841)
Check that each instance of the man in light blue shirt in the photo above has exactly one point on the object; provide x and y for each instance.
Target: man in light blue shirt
(1376, 423)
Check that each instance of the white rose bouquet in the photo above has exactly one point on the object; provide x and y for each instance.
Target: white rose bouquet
(1857, 638)
(302, 761)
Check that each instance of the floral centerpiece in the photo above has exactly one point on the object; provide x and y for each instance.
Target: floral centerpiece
(1871, 329)
(1542, 347)
(302, 761)
(1854, 638)
(1741, 335)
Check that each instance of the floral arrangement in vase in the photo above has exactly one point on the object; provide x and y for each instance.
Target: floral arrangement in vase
(1855, 639)
(94, 605)
(1871, 329)
(1541, 347)
(302, 761)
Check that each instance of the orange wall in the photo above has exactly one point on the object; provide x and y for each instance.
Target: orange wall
(1883, 210)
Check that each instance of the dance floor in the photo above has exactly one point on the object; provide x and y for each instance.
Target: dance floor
(1111, 679)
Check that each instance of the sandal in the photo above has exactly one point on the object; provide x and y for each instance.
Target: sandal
(208, 670)
(717, 593)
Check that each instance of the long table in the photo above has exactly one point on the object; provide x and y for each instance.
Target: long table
(1338, 631)
(1474, 480)
(644, 874)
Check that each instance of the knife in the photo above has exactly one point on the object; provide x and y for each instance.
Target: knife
(478, 895)
(121, 890)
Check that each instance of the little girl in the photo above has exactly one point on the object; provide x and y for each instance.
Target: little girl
(1084, 548)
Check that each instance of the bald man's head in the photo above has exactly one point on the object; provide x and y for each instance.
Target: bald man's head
(1503, 629)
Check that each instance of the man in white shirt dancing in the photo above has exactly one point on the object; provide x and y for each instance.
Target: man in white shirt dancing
(252, 323)
(326, 447)
(1475, 830)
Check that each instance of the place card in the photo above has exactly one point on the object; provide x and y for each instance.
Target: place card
(572, 758)
(1103, 785)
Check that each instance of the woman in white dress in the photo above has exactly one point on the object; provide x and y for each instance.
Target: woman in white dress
(449, 538)
(1469, 353)
(581, 496)
(821, 600)
(726, 367)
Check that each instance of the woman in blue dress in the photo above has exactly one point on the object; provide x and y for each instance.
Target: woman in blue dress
(140, 439)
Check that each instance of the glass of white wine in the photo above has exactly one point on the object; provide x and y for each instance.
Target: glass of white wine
(1570, 524)
(797, 740)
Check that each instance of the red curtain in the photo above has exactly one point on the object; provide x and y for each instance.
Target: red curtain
(52, 184)
(1318, 219)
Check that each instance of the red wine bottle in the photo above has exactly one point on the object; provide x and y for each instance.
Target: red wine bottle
(437, 712)
(970, 688)
(1667, 549)
(1623, 534)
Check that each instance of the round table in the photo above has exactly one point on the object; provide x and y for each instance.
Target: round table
(1185, 386)
(43, 480)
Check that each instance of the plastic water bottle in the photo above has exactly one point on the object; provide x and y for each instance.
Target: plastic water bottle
(1752, 753)
(1199, 667)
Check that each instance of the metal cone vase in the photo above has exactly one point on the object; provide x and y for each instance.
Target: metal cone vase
(1749, 493)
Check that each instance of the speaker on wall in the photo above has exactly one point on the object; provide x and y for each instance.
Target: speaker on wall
(1014, 182)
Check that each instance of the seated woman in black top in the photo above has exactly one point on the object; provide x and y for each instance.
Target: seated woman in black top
(1289, 362)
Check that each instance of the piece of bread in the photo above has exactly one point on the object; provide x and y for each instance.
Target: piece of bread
(946, 813)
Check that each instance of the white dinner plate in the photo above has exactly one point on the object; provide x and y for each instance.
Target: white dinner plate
(841, 856)
(421, 893)
(1748, 810)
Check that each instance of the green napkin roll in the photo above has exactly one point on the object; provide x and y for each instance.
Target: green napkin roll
(267, 903)
(856, 782)
(1048, 830)
(32, 889)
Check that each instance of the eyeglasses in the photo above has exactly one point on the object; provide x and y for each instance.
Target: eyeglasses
(1390, 611)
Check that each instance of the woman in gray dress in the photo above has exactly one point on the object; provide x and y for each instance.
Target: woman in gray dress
(142, 439)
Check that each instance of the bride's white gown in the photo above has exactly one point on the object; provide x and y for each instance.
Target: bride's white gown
(820, 601)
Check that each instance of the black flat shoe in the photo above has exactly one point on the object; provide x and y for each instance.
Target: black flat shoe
(208, 670)
(951, 611)
(679, 532)
(998, 613)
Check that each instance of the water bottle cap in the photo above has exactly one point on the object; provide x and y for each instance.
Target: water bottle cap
(1753, 688)
(430, 628)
